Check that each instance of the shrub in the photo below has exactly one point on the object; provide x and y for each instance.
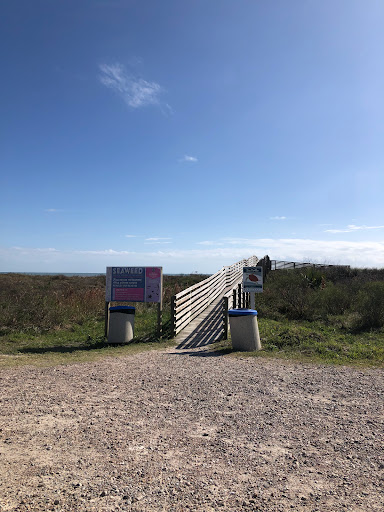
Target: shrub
(288, 293)
(334, 300)
(370, 306)
(39, 303)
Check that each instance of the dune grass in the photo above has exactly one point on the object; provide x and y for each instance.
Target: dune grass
(47, 320)
(314, 342)
(331, 316)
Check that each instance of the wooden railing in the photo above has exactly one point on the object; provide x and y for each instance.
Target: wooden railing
(286, 265)
(189, 303)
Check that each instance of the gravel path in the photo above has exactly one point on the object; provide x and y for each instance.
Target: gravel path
(178, 430)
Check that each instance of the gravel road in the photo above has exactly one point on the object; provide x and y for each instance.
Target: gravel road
(177, 430)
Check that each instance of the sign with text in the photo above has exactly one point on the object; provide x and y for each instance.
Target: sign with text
(134, 284)
(253, 279)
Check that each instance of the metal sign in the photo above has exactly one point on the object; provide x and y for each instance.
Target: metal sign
(134, 284)
(253, 279)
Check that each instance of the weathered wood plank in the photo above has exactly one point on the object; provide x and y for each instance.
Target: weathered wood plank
(189, 304)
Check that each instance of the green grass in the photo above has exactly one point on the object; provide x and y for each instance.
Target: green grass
(316, 343)
(82, 343)
(331, 316)
(47, 320)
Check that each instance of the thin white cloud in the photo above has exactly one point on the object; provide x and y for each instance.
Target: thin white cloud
(130, 236)
(157, 238)
(335, 231)
(209, 243)
(235, 241)
(156, 243)
(355, 228)
(135, 91)
(52, 210)
(351, 228)
(36, 250)
(206, 259)
(188, 158)
(278, 218)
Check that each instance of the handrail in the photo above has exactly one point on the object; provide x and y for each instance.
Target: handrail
(189, 303)
(287, 265)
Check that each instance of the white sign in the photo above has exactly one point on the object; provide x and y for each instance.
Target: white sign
(253, 279)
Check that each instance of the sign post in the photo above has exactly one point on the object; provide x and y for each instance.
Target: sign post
(134, 284)
(253, 282)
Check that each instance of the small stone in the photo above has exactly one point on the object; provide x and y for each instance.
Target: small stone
(102, 494)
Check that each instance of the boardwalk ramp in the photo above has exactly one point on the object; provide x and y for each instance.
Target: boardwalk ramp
(199, 315)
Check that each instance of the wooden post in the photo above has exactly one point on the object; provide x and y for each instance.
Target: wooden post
(173, 316)
(253, 300)
(106, 319)
(160, 320)
(160, 310)
(239, 295)
(258, 342)
(234, 299)
(225, 318)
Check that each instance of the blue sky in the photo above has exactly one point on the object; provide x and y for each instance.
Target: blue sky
(190, 134)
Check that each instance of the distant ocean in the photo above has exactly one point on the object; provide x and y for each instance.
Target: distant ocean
(68, 274)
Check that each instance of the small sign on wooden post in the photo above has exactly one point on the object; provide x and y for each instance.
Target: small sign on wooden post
(253, 282)
(134, 284)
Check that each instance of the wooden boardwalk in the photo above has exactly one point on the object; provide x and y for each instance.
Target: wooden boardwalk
(199, 313)
(204, 329)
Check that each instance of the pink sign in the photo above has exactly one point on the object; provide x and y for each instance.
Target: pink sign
(129, 294)
(152, 284)
(134, 284)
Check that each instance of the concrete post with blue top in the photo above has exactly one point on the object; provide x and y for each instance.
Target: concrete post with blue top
(121, 324)
(244, 329)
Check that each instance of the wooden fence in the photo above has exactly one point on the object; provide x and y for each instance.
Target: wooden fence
(189, 303)
(286, 265)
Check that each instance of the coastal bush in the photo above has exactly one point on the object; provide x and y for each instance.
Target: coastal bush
(40, 303)
(370, 306)
(333, 300)
(351, 298)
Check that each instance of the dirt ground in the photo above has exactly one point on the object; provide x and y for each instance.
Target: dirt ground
(184, 430)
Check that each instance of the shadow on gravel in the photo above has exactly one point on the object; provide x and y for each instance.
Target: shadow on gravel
(63, 349)
(204, 353)
(83, 345)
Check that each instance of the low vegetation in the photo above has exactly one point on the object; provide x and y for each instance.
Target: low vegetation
(330, 314)
(63, 317)
(351, 299)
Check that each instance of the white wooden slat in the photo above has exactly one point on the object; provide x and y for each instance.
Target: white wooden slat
(194, 300)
